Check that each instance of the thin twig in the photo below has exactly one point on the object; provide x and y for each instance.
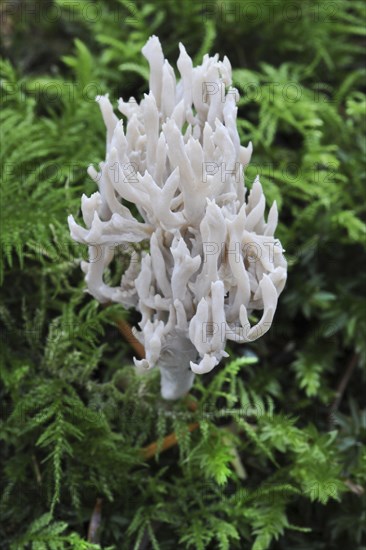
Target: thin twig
(355, 487)
(342, 387)
(36, 469)
(94, 525)
(129, 336)
(168, 442)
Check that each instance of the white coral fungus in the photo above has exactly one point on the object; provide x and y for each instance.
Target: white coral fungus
(213, 258)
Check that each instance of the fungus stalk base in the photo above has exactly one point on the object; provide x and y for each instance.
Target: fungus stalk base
(174, 364)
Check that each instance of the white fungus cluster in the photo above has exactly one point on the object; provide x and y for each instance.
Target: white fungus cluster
(212, 256)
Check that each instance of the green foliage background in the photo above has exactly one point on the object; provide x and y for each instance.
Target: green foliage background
(274, 463)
